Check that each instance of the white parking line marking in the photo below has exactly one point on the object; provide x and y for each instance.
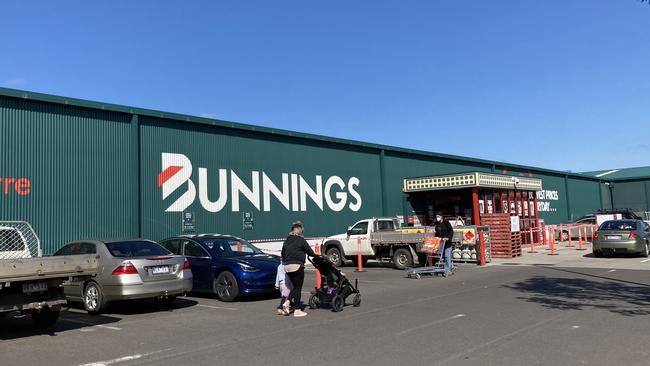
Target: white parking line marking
(575, 327)
(645, 260)
(457, 316)
(611, 270)
(216, 307)
(109, 327)
(124, 359)
(81, 322)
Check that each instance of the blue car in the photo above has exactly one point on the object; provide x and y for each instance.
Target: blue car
(225, 265)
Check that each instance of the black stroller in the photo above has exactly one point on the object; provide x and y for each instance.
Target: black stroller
(335, 287)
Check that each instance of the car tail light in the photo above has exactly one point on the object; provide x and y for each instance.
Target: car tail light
(125, 268)
(186, 264)
(632, 234)
(595, 235)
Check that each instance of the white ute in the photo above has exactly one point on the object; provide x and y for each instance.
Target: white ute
(33, 284)
(378, 238)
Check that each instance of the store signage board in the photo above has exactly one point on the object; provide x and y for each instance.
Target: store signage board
(247, 220)
(514, 224)
(602, 218)
(188, 224)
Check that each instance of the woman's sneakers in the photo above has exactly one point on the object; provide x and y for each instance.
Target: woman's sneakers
(299, 312)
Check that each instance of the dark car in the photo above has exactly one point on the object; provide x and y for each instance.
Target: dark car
(225, 265)
(622, 236)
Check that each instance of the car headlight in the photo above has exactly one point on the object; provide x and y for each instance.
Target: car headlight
(248, 268)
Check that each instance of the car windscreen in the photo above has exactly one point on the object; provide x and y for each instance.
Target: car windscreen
(625, 225)
(131, 249)
(231, 247)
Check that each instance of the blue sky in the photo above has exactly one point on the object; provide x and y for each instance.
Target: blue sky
(561, 84)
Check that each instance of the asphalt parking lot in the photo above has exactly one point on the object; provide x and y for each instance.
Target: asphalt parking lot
(503, 314)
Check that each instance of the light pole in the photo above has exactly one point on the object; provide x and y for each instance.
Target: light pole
(611, 194)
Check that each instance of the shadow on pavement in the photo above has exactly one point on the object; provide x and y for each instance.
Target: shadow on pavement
(134, 307)
(14, 328)
(617, 296)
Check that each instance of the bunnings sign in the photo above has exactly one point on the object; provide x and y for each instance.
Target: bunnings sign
(291, 190)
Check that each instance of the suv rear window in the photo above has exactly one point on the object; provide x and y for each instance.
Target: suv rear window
(131, 249)
(627, 225)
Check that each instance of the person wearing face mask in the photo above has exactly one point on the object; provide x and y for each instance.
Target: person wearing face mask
(445, 232)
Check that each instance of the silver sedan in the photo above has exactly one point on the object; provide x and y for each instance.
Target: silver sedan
(129, 269)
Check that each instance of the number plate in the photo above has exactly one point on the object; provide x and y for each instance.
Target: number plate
(160, 270)
(613, 237)
(34, 287)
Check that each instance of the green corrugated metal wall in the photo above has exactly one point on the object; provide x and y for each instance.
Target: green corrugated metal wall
(94, 174)
(75, 160)
(217, 148)
(632, 195)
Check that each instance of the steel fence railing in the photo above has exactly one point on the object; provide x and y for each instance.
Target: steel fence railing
(18, 240)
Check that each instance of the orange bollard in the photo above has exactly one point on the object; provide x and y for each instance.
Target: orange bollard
(569, 231)
(318, 279)
(532, 245)
(552, 243)
(359, 259)
(544, 233)
(580, 231)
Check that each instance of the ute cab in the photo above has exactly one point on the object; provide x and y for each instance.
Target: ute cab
(357, 238)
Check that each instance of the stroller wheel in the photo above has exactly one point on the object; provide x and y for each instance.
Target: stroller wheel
(314, 301)
(337, 303)
(356, 300)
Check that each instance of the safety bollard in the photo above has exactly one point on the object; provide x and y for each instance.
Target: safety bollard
(569, 235)
(544, 233)
(580, 232)
(532, 245)
(359, 259)
(552, 243)
(318, 279)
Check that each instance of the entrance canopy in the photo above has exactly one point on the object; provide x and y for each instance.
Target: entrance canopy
(471, 180)
(472, 195)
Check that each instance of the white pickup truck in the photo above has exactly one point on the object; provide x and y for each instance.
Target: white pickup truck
(33, 284)
(378, 238)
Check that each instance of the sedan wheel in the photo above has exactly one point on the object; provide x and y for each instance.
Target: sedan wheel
(225, 286)
(646, 252)
(93, 298)
(564, 236)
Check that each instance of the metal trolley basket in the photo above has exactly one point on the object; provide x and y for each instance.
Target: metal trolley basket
(434, 247)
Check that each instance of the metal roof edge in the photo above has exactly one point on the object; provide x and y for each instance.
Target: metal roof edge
(50, 98)
(629, 179)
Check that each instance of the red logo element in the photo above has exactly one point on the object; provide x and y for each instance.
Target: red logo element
(469, 236)
(166, 174)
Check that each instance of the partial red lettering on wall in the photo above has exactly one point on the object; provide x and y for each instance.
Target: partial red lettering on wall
(19, 186)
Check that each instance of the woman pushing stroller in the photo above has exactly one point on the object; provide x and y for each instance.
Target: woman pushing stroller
(294, 251)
